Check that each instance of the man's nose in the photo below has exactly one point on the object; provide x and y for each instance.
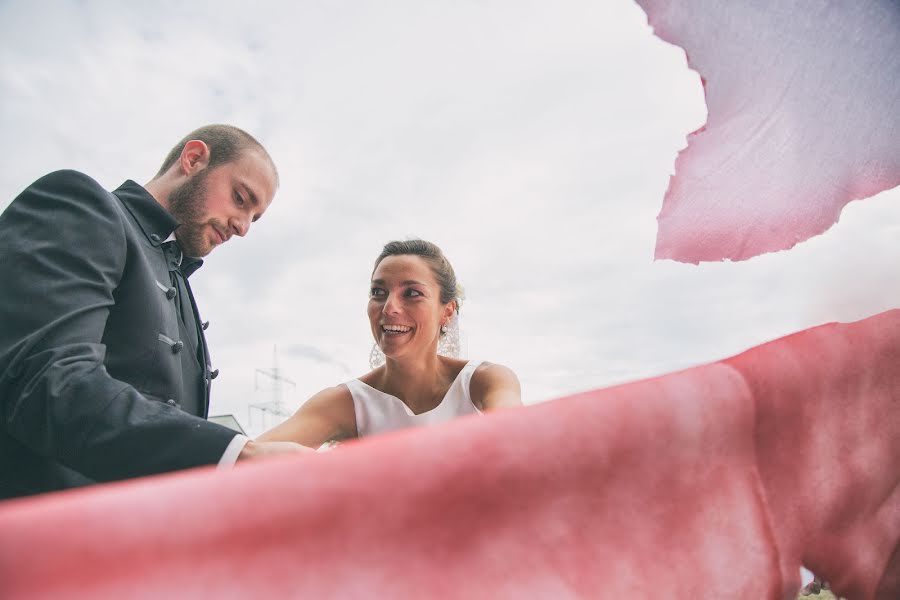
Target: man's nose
(240, 226)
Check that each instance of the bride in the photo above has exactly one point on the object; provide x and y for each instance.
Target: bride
(415, 378)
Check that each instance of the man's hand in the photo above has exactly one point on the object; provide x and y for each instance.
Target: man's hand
(262, 449)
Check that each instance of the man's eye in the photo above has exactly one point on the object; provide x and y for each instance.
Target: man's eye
(238, 200)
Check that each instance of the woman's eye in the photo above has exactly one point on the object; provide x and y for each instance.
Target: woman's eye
(376, 292)
(413, 293)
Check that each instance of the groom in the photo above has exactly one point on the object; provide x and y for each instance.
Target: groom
(104, 368)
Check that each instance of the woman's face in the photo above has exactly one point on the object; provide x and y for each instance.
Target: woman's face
(405, 309)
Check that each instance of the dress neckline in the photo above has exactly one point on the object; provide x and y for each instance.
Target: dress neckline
(407, 408)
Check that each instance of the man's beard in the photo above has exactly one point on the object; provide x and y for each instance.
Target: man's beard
(187, 204)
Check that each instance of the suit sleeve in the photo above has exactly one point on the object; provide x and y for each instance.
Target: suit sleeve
(62, 254)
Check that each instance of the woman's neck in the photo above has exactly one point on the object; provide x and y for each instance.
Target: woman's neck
(420, 382)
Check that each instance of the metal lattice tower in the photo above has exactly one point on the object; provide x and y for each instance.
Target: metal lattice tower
(274, 407)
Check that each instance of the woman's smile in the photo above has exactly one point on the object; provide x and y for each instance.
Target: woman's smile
(396, 329)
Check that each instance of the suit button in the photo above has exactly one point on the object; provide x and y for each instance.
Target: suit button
(204, 325)
(154, 238)
(177, 347)
(213, 374)
(170, 293)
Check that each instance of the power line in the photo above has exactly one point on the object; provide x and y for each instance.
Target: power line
(273, 407)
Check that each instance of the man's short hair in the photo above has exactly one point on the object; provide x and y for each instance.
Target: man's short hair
(226, 143)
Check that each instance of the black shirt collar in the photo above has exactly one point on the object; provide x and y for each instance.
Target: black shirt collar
(155, 221)
(190, 264)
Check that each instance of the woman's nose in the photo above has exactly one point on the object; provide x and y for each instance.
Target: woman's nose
(391, 305)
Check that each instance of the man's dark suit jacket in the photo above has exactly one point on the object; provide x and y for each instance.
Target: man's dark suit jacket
(104, 373)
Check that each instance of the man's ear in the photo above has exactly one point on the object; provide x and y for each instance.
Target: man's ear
(194, 157)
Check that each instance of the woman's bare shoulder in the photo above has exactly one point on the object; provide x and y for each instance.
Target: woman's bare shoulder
(491, 370)
(329, 398)
(494, 385)
(372, 377)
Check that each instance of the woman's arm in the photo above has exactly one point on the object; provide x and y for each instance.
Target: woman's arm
(328, 415)
(494, 386)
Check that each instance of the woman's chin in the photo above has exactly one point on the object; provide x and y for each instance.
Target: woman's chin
(394, 351)
(392, 346)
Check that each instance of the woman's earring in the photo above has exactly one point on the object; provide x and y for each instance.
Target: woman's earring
(448, 343)
(376, 357)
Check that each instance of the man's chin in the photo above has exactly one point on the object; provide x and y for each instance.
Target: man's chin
(200, 252)
(196, 250)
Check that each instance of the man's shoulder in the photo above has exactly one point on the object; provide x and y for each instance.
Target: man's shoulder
(69, 184)
(65, 199)
(70, 178)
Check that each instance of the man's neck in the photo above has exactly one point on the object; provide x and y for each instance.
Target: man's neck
(160, 191)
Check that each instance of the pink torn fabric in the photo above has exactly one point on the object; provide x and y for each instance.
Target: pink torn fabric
(714, 482)
(827, 441)
(803, 102)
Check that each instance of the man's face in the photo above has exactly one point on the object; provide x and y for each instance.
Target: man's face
(217, 203)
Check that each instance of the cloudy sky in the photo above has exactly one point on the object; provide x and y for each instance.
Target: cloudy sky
(532, 141)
